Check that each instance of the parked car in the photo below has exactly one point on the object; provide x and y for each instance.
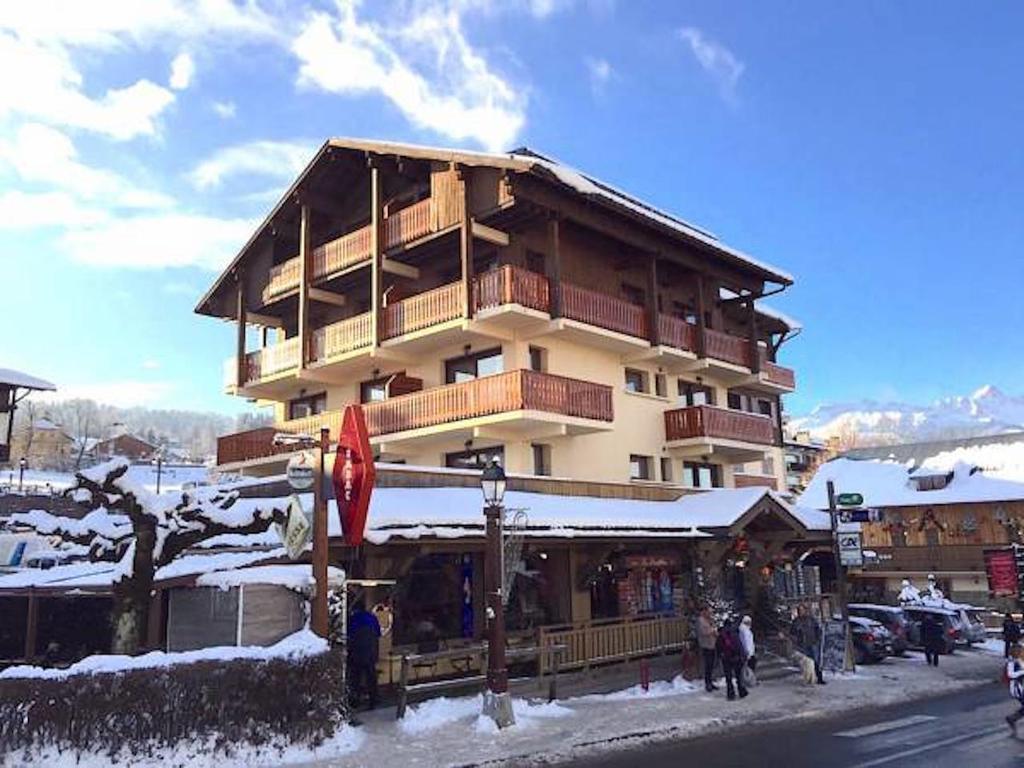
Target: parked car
(951, 627)
(972, 627)
(872, 642)
(891, 617)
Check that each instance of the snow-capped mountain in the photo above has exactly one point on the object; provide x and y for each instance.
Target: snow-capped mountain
(987, 411)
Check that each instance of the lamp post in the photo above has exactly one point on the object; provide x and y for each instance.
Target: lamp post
(22, 463)
(158, 461)
(497, 702)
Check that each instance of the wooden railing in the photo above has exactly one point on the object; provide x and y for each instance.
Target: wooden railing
(407, 224)
(755, 481)
(726, 347)
(252, 444)
(341, 253)
(310, 425)
(777, 374)
(272, 359)
(281, 279)
(511, 285)
(723, 423)
(341, 337)
(424, 310)
(600, 641)
(676, 332)
(604, 311)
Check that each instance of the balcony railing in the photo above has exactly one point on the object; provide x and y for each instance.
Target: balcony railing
(512, 285)
(675, 332)
(272, 359)
(344, 336)
(341, 253)
(252, 444)
(726, 347)
(407, 225)
(604, 311)
(777, 374)
(424, 310)
(707, 421)
(755, 481)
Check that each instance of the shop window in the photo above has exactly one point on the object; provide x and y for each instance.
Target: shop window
(538, 359)
(660, 385)
(302, 407)
(476, 366)
(636, 381)
(541, 459)
(476, 458)
(695, 394)
(430, 603)
(666, 469)
(700, 475)
(639, 467)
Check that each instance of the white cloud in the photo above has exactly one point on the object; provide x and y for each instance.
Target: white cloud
(600, 73)
(183, 69)
(270, 159)
(26, 210)
(424, 65)
(160, 240)
(151, 365)
(224, 109)
(717, 60)
(126, 393)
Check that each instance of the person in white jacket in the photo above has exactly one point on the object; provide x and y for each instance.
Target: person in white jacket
(747, 641)
(1015, 674)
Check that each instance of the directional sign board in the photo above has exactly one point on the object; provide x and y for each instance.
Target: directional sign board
(850, 553)
(849, 500)
(297, 531)
(861, 515)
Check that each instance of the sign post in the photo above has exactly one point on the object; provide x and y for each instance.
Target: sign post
(838, 558)
(319, 618)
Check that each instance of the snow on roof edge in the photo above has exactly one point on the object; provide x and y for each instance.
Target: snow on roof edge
(25, 380)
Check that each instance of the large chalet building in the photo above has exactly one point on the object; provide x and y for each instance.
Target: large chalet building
(503, 307)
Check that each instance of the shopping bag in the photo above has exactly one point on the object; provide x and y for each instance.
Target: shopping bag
(749, 678)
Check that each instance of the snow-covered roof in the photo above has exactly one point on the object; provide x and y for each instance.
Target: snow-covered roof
(297, 576)
(13, 378)
(888, 484)
(722, 507)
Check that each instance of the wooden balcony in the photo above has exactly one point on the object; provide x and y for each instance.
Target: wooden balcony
(706, 429)
(677, 333)
(424, 310)
(603, 311)
(511, 285)
(342, 337)
(271, 360)
(775, 377)
(743, 480)
(407, 225)
(727, 348)
(252, 444)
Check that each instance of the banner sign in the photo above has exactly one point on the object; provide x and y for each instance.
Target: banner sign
(297, 531)
(1001, 569)
(354, 474)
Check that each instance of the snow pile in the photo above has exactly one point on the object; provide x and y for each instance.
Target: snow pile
(528, 714)
(439, 712)
(658, 689)
(297, 645)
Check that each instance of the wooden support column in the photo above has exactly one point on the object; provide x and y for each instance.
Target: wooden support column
(466, 245)
(305, 278)
(755, 352)
(241, 367)
(653, 333)
(701, 314)
(554, 265)
(376, 256)
(31, 626)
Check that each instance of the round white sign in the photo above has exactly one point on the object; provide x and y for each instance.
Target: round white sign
(300, 471)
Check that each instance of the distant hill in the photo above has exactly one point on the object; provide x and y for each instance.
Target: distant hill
(987, 411)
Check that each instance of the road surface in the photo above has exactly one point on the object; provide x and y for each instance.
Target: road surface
(960, 730)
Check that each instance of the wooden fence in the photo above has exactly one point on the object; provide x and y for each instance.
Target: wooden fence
(601, 641)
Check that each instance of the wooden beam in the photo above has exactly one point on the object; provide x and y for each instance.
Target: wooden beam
(376, 255)
(490, 234)
(755, 356)
(701, 314)
(240, 316)
(652, 300)
(398, 268)
(326, 297)
(265, 321)
(305, 280)
(466, 247)
(554, 265)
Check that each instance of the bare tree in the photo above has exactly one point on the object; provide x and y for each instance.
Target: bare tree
(85, 418)
(143, 531)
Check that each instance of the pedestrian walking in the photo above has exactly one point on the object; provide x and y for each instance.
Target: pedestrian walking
(1015, 674)
(807, 636)
(1011, 635)
(363, 651)
(707, 639)
(730, 650)
(932, 638)
(747, 640)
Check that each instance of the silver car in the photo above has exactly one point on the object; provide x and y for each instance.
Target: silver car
(972, 628)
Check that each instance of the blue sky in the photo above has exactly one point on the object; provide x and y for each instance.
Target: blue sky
(871, 149)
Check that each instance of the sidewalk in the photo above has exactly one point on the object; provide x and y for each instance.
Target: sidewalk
(450, 732)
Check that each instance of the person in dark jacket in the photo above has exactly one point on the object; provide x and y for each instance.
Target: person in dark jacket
(932, 638)
(730, 650)
(807, 636)
(363, 651)
(1011, 635)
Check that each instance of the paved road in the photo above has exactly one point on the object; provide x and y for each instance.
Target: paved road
(961, 730)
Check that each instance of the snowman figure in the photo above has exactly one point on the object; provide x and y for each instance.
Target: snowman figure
(909, 593)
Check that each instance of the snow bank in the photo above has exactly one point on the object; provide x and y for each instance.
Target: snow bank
(435, 713)
(302, 643)
(658, 689)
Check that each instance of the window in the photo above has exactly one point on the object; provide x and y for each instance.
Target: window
(634, 295)
(666, 469)
(695, 394)
(535, 262)
(660, 385)
(538, 359)
(636, 381)
(698, 475)
(476, 458)
(302, 407)
(469, 367)
(639, 467)
(541, 459)
(737, 401)
(374, 391)
(768, 465)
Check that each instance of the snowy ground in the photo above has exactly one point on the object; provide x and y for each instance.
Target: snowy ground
(450, 732)
(172, 477)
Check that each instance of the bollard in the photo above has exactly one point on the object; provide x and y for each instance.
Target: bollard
(645, 675)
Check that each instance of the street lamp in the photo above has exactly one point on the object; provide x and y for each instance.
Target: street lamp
(158, 462)
(22, 463)
(497, 702)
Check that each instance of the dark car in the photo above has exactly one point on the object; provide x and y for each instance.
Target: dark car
(872, 642)
(951, 628)
(892, 618)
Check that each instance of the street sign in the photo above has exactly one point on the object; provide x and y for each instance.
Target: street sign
(869, 515)
(849, 499)
(300, 471)
(354, 475)
(850, 553)
(297, 531)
